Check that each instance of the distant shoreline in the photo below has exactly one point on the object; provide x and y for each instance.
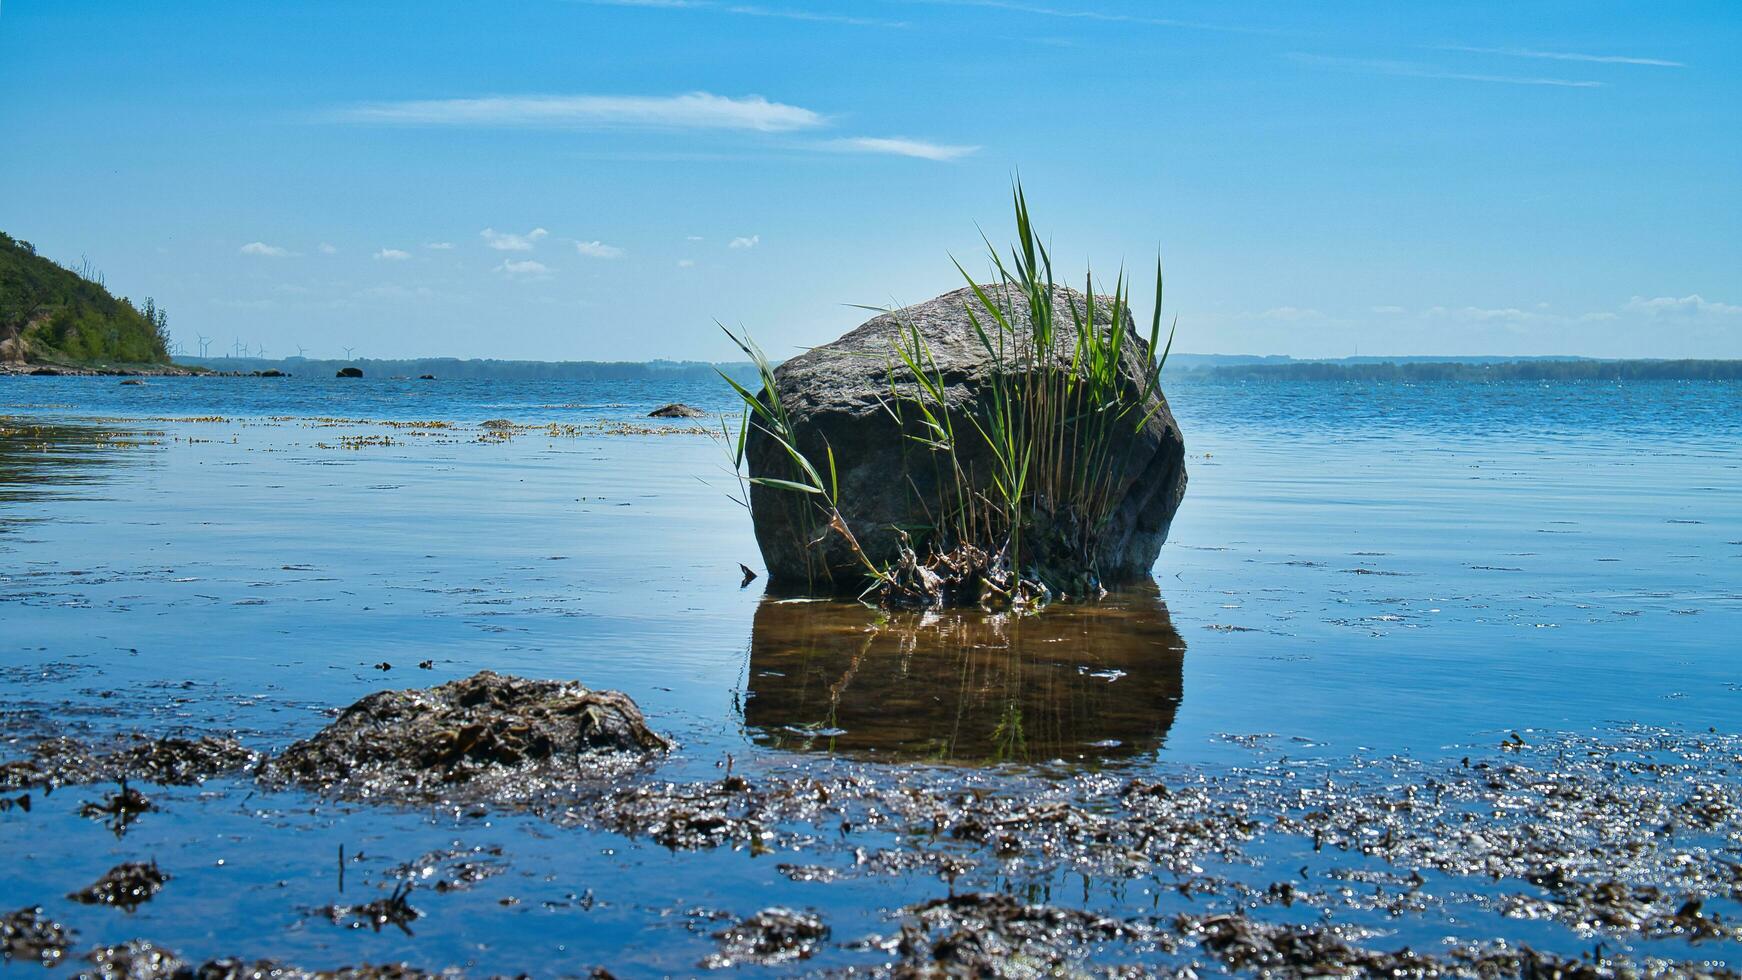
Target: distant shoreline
(1180, 366)
(1438, 370)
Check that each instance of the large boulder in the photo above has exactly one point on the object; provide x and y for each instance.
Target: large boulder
(837, 396)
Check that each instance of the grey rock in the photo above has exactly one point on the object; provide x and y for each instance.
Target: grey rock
(836, 395)
(676, 410)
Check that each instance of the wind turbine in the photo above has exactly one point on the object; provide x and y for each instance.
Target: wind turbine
(237, 347)
(348, 351)
(204, 340)
(261, 351)
(301, 351)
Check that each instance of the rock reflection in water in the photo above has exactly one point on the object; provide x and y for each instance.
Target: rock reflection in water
(1076, 682)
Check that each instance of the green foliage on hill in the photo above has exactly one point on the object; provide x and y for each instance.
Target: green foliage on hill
(51, 313)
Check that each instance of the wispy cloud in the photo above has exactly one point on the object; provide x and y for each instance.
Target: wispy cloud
(752, 10)
(1601, 59)
(392, 255)
(503, 241)
(598, 250)
(694, 110)
(264, 250)
(439, 246)
(1290, 314)
(328, 249)
(686, 263)
(1103, 16)
(742, 242)
(1691, 305)
(526, 269)
(1409, 69)
(900, 146)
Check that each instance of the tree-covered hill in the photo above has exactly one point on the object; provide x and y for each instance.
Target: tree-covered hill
(52, 313)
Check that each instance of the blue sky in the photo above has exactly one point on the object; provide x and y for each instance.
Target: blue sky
(567, 179)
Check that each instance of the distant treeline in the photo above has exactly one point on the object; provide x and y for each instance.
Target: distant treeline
(456, 369)
(1531, 370)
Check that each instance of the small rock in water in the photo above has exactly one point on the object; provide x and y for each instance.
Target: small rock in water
(426, 377)
(133, 381)
(349, 372)
(125, 886)
(488, 725)
(676, 410)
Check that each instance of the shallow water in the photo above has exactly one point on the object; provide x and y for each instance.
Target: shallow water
(1358, 571)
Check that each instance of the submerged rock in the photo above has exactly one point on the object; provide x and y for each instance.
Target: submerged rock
(125, 886)
(676, 410)
(837, 397)
(415, 741)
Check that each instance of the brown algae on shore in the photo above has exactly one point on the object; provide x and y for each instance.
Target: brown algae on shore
(1628, 837)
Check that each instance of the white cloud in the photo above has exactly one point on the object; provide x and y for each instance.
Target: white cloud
(694, 110)
(392, 255)
(503, 241)
(1289, 313)
(1606, 59)
(1504, 314)
(742, 242)
(1408, 69)
(686, 263)
(439, 246)
(1389, 309)
(692, 238)
(393, 290)
(263, 249)
(326, 249)
(525, 269)
(598, 250)
(899, 146)
(1690, 305)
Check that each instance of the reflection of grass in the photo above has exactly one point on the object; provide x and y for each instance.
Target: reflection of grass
(1009, 740)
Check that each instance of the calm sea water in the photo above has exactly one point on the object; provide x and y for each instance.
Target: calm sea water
(1359, 569)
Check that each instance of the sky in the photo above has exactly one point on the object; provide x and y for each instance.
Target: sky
(564, 179)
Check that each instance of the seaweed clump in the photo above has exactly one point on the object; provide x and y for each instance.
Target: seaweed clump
(125, 886)
(28, 934)
(419, 743)
(62, 761)
(768, 937)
